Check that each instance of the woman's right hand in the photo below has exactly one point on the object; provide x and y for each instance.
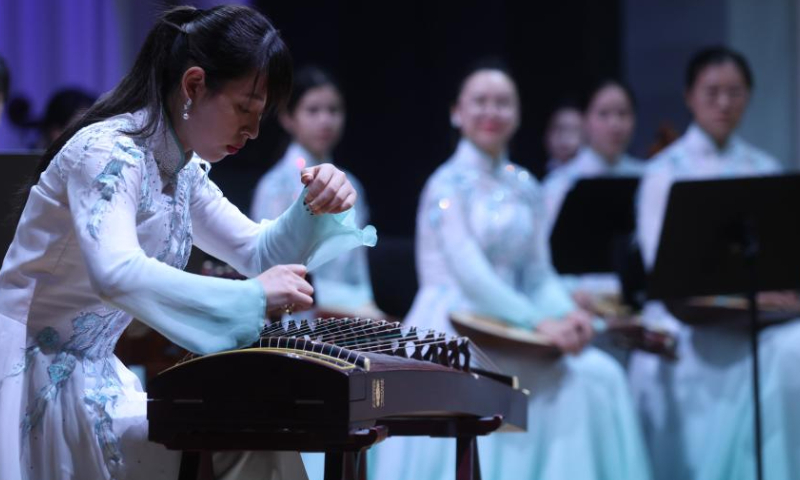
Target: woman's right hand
(286, 288)
(570, 334)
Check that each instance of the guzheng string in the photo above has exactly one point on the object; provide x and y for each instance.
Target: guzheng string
(371, 336)
(355, 335)
(343, 333)
(361, 338)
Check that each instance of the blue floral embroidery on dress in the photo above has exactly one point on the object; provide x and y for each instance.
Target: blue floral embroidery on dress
(59, 371)
(95, 335)
(145, 191)
(46, 341)
(108, 180)
(124, 154)
(96, 400)
(178, 244)
(93, 339)
(84, 140)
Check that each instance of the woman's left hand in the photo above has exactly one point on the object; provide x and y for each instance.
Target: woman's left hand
(329, 190)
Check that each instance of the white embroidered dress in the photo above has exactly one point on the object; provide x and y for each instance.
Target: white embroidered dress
(103, 237)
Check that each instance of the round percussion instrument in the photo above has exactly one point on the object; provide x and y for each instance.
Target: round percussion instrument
(493, 333)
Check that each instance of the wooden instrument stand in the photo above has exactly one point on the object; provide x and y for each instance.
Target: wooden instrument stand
(345, 458)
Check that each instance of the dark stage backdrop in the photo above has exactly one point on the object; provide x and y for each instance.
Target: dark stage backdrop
(399, 64)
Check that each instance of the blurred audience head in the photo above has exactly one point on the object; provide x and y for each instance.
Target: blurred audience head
(610, 118)
(563, 135)
(486, 110)
(718, 86)
(315, 113)
(64, 107)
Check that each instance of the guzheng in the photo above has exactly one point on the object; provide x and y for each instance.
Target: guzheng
(312, 385)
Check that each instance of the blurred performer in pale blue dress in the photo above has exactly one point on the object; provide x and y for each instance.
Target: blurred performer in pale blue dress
(481, 248)
(609, 122)
(315, 119)
(563, 137)
(697, 411)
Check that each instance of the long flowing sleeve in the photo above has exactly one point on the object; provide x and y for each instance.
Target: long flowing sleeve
(487, 291)
(296, 236)
(345, 283)
(201, 314)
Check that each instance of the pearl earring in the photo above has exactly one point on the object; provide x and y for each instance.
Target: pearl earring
(186, 107)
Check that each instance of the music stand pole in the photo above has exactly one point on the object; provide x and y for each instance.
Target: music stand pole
(751, 253)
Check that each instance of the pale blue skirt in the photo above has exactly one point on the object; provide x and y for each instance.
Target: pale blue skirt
(581, 422)
(697, 412)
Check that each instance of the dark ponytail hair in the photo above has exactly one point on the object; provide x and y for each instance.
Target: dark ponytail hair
(228, 42)
(308, 78)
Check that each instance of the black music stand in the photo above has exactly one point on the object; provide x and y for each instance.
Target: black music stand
(594, 234)
(730, 236)
(595, 220)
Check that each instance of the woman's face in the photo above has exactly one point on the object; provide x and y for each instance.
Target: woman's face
(718, 99)
(220, 123)
(564, 134)
(487, 110)
(610, 122)
(317, 122)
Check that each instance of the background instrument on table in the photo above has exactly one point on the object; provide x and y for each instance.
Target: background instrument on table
(626, 332)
